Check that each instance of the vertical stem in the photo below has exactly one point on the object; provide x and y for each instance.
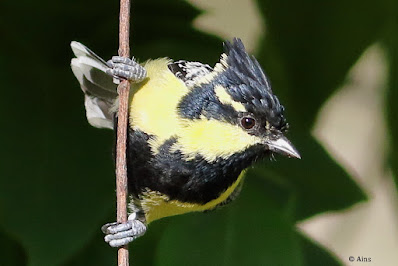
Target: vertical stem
(121, 164)
(124, 28)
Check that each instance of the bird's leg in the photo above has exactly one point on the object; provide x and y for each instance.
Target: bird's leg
(125, 68)
(120, 234)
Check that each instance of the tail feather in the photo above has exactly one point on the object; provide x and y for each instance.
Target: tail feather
(98, 87)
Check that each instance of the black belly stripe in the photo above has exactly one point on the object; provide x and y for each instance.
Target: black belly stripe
(194, 181)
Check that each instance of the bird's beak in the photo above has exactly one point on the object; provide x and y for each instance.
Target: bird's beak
(283, 146)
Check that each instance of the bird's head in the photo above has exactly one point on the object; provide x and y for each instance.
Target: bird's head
(232, 110)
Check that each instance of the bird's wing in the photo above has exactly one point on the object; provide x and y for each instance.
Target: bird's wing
(189, 72)
(98, 87)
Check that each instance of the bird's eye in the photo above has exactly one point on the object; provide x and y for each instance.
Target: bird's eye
(248, 122)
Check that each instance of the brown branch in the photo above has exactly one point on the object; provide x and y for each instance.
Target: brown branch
(121, 164)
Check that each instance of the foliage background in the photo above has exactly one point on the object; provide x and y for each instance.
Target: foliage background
(56, 172)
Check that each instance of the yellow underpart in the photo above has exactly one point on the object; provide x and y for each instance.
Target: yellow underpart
(225, 98)
(157, 205)
(153, 106)
(213, 138)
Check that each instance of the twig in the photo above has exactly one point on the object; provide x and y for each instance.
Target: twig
(121, 165)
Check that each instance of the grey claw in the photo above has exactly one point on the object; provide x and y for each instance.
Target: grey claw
(105, 227)
(125, 68)
(120, 234)
(120, 242)
(114, 229)
(109, 71)
(124, 234)
(119, 73)
(124, 60)
(110, 63)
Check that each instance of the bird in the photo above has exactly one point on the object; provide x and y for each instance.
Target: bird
(193, 129)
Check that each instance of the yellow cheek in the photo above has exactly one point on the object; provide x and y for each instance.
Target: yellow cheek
(213, 138)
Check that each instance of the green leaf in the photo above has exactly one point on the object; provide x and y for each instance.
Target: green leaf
(319, 183)
(252, 231)
(391, 44)
(315, 255)
(99, 253)
(11, 252)
(56, 174)
(310, 45)
(96, 252)
(308, 49)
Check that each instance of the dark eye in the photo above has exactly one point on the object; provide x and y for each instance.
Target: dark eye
(248, 122)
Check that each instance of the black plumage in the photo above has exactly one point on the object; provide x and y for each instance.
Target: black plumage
(245, 81)
(248, 84)
(192, 130)
(193, 181)
(197, 180)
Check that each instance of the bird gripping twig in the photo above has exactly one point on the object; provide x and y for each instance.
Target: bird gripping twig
(121, 165)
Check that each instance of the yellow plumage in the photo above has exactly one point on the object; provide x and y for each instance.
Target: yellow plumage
(153, 110)
(153, 106)
(193, 129)
(157, 205)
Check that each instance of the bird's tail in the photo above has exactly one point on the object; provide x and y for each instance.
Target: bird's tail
(98, 87)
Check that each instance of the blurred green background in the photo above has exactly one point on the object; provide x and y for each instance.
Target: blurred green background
(333, 64)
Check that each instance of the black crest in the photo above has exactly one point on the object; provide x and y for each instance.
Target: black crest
(242, 77)
(248, 84)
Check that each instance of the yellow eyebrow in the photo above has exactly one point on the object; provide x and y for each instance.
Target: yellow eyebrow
(225, 98)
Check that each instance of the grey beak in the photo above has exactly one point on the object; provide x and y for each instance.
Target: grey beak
(283, 146)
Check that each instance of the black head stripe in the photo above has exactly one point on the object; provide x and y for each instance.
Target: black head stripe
(203, 101)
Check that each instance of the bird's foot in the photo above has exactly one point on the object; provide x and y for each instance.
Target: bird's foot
(120, 234)
(125, 68)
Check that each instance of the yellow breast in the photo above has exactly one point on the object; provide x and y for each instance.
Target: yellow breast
(157, 205)
(153, 110)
